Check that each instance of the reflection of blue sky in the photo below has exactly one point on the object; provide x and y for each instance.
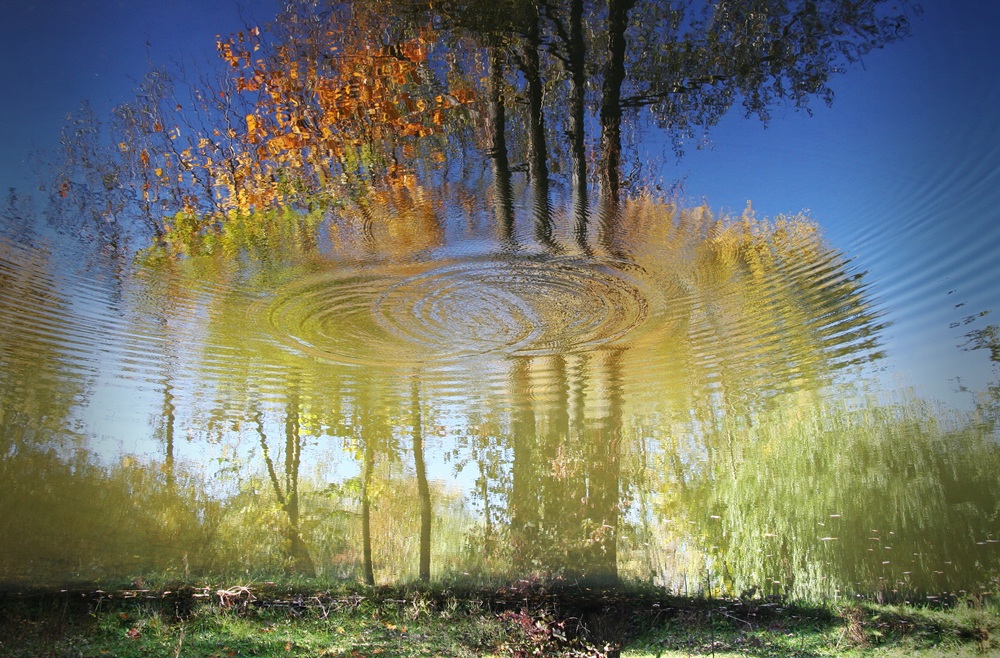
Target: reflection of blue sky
(55, 53)
(903, 172)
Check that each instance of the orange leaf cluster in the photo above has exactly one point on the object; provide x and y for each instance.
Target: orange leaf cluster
(332, 113)
(322, 109)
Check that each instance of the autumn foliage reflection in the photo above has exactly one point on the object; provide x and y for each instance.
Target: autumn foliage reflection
(333, 109)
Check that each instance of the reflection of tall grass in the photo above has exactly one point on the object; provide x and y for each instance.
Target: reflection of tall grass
(822, 497)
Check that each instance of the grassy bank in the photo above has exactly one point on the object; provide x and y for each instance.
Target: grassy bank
(269, 620)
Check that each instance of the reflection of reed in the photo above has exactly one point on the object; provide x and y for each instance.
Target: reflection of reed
(831, 496)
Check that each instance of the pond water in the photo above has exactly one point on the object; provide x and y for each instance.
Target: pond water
(435, 353)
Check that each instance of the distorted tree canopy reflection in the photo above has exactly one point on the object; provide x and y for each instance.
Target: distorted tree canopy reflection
(409, 305)
(342, 111)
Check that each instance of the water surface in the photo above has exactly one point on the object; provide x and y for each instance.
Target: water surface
(438, 374)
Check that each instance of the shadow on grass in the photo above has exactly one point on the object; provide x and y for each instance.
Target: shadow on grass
(520, 619)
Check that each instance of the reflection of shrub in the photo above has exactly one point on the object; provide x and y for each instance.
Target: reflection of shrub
(252, 539)
(265, 235)
(99, 523)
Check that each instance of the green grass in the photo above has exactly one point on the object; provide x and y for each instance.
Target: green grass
(857, 630)
(442, 621)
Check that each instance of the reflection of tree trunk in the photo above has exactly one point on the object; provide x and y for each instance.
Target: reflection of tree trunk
(537, 152)
(523, 502)
(604, 495)
(366, 514)
(298, 552)
(577, 86)
(503, 203)
(560, 490)
(169, 418)
(295, 550)
(611, 113)
(423, 490)
(484, 491)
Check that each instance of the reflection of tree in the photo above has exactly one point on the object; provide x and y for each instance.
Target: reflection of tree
(687, 62)
(159, 309)
(565, 495)
(263, 392)
(496, 126)
(524, 510)
(605, 497)
(613, 78)
(423, 490)
(309, 114)
(538, 170)
(288, 495)
(570, 34)
(368, 470)
(325, 108)
(39, 391)
(371, 433)
(231, 398)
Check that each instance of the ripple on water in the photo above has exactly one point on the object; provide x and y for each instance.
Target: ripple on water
(513, 307)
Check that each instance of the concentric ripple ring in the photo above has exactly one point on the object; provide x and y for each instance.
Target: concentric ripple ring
(504, 306)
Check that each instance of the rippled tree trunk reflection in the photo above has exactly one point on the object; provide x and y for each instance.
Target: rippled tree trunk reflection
(604, 490)
(297, 553)
(576, 61)
(611, 107)
(611, 122)
(538, 168)
(169, 420)
(423, 490)
(368, 569)
(523, 506)
(503, 196)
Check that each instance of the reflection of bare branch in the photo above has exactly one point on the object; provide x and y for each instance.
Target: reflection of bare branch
(258, 418)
